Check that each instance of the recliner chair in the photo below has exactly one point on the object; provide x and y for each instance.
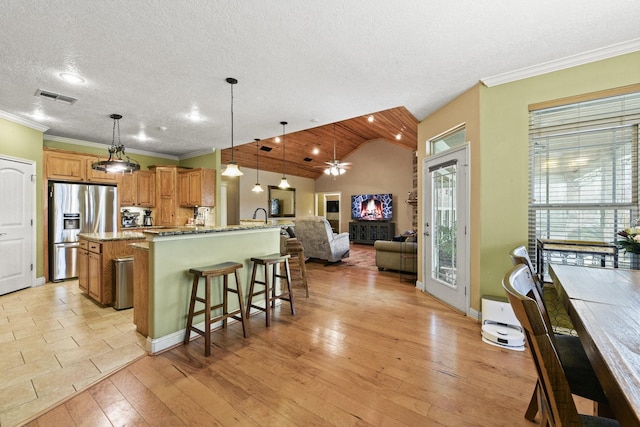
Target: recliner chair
(319, 241)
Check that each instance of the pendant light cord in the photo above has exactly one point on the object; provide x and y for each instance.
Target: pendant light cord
(283, 147)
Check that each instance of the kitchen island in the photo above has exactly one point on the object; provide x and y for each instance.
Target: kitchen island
(166, 257)
(95, 261)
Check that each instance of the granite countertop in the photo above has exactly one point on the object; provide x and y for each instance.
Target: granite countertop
(175, 231)
(108, 236)
(140, 245)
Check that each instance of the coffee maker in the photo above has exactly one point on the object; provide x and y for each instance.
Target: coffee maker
(146, 219)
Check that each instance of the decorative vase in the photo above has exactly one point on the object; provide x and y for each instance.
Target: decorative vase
(634, 261)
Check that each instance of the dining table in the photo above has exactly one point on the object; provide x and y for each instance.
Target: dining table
(604, 306)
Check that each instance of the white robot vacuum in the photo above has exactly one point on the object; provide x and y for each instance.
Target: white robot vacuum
(500, 327)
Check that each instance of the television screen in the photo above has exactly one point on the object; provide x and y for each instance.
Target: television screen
(372, 207)
(333, 206)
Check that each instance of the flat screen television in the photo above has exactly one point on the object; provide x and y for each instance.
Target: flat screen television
(333, 206)
(372, 207)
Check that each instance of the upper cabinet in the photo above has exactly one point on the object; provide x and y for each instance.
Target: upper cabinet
(100, 176)
(64, 166)
(68, 166)
(138, 189)
(197, 187)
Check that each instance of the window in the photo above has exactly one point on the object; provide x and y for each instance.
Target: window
(583, 170)
(448, 140)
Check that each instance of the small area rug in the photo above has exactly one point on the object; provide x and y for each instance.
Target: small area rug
(361, 256)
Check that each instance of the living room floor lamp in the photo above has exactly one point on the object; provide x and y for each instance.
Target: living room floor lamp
(283, 182)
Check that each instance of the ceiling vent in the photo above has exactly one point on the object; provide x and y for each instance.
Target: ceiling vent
(307, 159)
(55, 97)
(265, 148)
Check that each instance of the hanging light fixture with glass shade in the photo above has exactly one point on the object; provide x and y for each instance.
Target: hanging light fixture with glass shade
(257, 188)
(118, 160)
(232, 168)
(283, 182)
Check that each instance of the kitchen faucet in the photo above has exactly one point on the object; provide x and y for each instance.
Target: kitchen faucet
(255, 213)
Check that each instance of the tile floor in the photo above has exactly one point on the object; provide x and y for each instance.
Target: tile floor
(55, 341)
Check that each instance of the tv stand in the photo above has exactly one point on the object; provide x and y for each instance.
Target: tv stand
(367, 232)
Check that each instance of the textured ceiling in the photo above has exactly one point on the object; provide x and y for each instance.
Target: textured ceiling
(310, 63)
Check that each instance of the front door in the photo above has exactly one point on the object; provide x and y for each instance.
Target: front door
(17, 190)
(445, 207)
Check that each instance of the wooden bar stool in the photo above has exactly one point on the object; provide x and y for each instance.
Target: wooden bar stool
(269, 290)
(297, 265)
(208, 272)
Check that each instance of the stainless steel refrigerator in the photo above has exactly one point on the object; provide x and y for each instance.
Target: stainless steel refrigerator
(74, 209)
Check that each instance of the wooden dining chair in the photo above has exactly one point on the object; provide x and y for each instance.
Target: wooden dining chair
(553, 392)
(520, 255)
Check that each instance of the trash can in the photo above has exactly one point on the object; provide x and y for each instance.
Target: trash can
(123, 278)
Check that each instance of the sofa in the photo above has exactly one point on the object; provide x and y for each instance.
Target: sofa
(319, 241)
(398, 256)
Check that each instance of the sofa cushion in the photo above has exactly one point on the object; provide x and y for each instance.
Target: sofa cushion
(399, 256)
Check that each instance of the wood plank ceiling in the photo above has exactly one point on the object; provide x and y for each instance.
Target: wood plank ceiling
(350, 135)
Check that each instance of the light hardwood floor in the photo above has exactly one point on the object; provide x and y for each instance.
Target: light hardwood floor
(366, 348)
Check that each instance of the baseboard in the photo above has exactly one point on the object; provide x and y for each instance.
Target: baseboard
(474, 314)
(166, 342)
(39, 281)
(420, 285)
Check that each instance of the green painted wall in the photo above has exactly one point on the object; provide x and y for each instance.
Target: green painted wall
(504, 153)
(171, 258)
(25, 143)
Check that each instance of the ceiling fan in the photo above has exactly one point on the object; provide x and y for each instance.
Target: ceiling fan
(335, 167)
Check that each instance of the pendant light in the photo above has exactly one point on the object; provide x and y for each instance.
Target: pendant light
(283, 182)
(232, 168)
(116, 162)
(257, 188)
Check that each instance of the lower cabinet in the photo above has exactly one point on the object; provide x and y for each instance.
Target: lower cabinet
(83, 269)
(367, 232)
(95, 288)
(95, 266)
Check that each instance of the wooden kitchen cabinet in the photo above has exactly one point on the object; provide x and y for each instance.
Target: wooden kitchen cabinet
(99, 176)
(138, 189)
(69, 166)
(94, 278)
(167, 199)
(83, 267)
(98, 279)
(64, 166)
(197, 188)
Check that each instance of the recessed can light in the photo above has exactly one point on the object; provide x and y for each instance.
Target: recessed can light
(71, 78)
(370, 119)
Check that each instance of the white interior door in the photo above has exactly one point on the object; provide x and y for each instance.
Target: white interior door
(17, 195)
(446, 237)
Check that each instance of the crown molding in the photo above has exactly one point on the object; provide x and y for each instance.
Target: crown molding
(561, 64)
(19, 120)
(98, 145)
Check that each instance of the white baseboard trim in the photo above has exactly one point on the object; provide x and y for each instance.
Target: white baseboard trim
(39, 282)
(474, 314)
(157, 345)
(420, 285)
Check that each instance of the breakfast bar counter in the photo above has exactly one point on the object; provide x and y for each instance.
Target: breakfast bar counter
(160, 309)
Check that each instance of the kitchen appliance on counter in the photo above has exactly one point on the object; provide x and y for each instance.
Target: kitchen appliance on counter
(129, 219)
(147, 221)
(74, 209)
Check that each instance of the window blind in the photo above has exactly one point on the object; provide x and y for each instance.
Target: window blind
(583, 170)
